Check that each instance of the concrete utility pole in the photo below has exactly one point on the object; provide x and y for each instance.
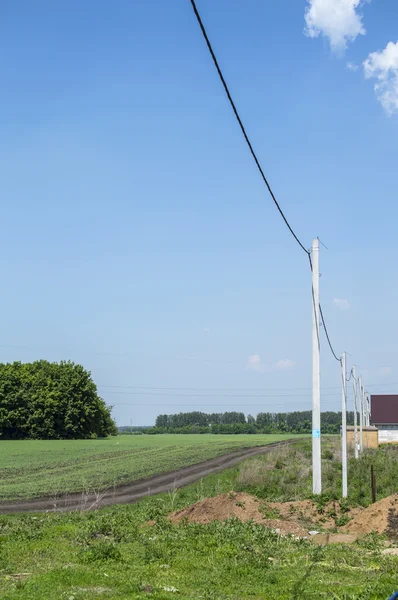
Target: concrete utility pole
(360, 413)
(368, 404)
(354, 380)
(344, 427)
(316, 380)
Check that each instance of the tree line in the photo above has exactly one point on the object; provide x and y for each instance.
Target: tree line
(236, 422)
(44, 400)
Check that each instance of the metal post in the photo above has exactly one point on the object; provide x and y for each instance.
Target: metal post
(344, 428)
(373, 483)
(354, 380)
(360, 413)
(316, 388)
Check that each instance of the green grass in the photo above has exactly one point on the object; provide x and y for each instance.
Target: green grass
(285, 474)
(114, 554)
(33, 468)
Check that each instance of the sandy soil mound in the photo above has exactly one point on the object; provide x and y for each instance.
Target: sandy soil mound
(241, 506)
(382, 517)
(296, 518)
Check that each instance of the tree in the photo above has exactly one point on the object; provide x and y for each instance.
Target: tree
(43, 400)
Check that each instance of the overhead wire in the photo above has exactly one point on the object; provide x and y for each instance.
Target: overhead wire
(198, 395)
(256, 160)
(245, 135)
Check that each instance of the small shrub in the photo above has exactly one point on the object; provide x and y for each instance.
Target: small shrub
(342, 520)
(101, 552)
(327, 454)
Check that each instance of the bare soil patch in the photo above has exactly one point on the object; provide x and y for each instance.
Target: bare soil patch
(241, 506)
(382, 517)
(295, 518)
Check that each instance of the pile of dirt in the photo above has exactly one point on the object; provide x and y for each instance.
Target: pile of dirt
(382, 517)
(309, 513)
(296, 518)
(241, 506)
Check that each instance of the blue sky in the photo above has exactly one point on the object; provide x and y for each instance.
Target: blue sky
(137, 236)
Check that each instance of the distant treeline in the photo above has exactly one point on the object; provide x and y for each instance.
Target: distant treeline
(133, 429)
(236, 422)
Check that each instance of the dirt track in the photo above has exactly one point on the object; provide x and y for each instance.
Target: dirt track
(132, 492)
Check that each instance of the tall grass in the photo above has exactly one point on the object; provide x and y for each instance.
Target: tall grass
(285, 474)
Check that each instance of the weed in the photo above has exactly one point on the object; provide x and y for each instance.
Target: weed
(100, 552)
(327, 454)
(269, 512)
(342, 520)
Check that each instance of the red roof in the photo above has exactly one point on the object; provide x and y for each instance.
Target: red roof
(384, 409)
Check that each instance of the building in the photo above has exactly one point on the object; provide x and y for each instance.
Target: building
(384, 415)
(370, 437)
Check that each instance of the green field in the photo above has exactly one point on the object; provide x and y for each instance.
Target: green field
(33, 468)
(115, 554)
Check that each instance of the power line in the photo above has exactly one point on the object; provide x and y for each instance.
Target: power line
(196, 389)
(191, 409)
(221, 76)
(168, 394)
(323, 320)
(327, 335)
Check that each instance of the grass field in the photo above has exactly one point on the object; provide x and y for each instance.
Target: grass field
(115, 554)
(35, 468)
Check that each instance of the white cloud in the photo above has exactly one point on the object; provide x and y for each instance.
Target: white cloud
(383, 66)
(284, 364)
(206, 329)
(384, 371)
(350, 66)
(341, 303)
(338, 20)
(254, 363)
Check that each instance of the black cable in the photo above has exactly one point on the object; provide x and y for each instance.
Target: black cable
(327, 336)
(313, 306)
(241, 125)
(323, 320)
(221, 76)
(349, 376)
(198, 395)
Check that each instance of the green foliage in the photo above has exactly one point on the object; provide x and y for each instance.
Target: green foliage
(235, 422)
(103, 551)
(385, 464)
(43, 400)
(285, 474)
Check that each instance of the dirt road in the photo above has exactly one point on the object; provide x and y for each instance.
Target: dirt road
(132, 492)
